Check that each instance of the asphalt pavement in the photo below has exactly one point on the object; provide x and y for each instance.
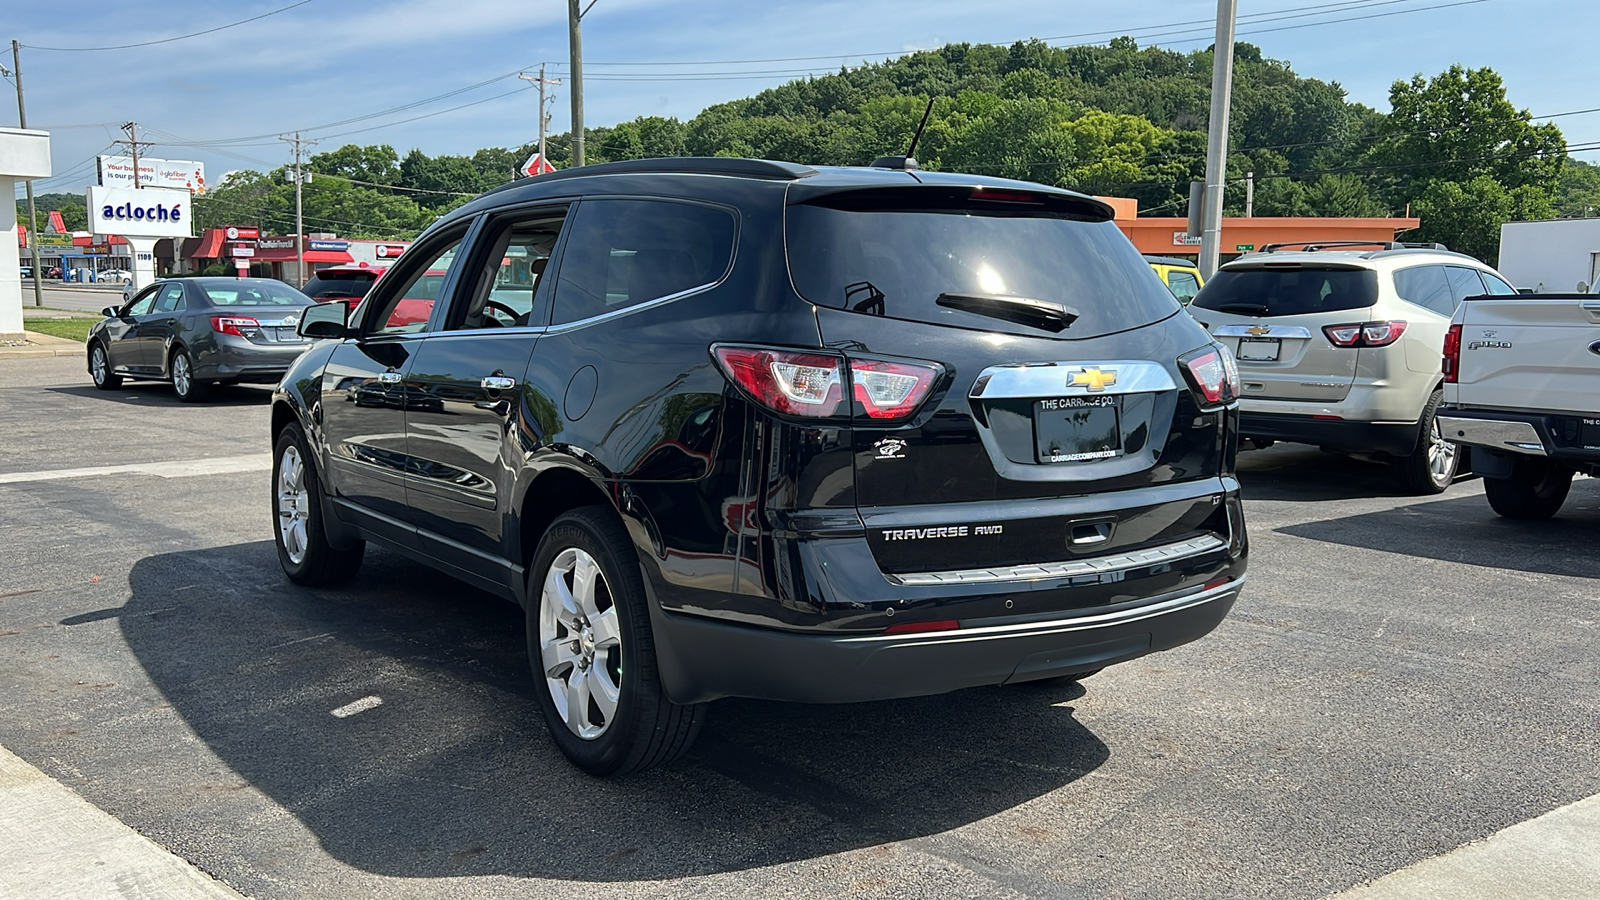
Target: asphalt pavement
(1402, 677)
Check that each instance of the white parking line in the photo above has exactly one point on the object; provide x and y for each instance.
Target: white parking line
(180, 468)
(59, 845)
(1556, 855)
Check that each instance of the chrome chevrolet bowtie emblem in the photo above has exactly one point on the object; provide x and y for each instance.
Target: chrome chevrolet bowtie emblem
(1093, 378)
(1259, 330)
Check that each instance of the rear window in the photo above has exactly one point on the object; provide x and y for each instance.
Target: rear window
(342, 284)
(1288, 291)
(254, 293)
(893, 253)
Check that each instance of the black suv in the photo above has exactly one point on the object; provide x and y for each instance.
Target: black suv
(744, 428)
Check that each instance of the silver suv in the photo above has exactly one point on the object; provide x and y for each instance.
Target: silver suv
(1339, 345)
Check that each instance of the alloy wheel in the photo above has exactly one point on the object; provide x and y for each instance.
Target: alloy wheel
(294, 504)
(580, 645)
(97, 364)
(182, 378)
(1441, 455)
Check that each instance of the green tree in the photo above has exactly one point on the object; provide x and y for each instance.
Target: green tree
(1578, 192)
(1466, 216)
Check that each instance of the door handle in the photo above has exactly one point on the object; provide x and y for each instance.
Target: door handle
(388, 377)
(498, 382)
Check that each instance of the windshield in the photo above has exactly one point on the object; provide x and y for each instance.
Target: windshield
(254, 293)
(342, 284)
(897, 261)
(1291, 290)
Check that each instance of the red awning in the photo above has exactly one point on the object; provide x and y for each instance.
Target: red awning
(210, 245)
(312, 256)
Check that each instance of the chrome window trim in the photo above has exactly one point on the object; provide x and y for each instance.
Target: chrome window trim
(1057, 626)
(1053, 379)
(1273, 331)
(1099, 565)
(637, 307)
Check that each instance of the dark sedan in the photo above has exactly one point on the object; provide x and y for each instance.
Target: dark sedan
(196, 332)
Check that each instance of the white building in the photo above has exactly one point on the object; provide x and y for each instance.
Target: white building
(1555, 255)
(23, 155)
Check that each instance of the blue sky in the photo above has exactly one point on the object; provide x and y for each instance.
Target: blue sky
(221, 97)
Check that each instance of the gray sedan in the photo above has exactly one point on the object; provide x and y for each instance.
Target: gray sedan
(196, 332)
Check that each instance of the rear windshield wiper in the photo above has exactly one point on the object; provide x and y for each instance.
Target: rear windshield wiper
(1041, 314)
(1251, 308)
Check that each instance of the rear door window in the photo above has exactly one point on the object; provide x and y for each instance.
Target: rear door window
(1289, 290)
(1183, 285)
(894, 252)
(1464, 283)
(624, 252)
(1427, 287)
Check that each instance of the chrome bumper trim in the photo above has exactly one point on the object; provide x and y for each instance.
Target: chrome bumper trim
(1057, 626)
(1099, 565)
(1517, 437)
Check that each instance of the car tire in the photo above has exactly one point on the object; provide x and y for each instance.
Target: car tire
(1433, 465)
(587, 623)
(188, 387)
(100, 368)
(1535, 490)
(300, 535)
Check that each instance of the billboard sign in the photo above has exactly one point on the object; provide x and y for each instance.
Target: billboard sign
(183, 174)
(242, 232)
(149, 212)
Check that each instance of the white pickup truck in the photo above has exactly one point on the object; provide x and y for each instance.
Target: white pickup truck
(1522, 388)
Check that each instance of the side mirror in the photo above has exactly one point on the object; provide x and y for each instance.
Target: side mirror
(325, 320)
(111, 312)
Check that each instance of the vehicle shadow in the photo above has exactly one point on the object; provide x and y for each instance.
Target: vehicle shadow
(452, 773)
(1304, 473)
(159, 393)
(1466, 530)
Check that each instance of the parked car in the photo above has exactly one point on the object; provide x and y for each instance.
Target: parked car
(27, 271)
(1338, 346)
(823, 435)
(196, 332)
(53, 272)
(343, 282)
(113, 276)
(1522, 389)
(1181, 276)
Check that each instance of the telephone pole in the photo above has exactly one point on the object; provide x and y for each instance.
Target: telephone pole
(575, 44)
(544, 117)
(1217, 139)
(33, 215)
(133, 142)
(299, 221)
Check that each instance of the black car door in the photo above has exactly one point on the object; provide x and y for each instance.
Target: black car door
(365, 398)
(123, 332)
(467, 387)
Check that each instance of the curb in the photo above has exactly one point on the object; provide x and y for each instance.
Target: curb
(42, 345)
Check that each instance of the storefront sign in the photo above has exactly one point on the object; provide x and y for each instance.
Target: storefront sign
(150, 212)
(327, 245)
(1244, 248)
(242, 232)
(1185, 239)
(55, 241)
(388, 251)
(239, 252)
(183, 174)
(275, 243)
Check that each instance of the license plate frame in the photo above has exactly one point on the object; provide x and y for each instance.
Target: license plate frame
(1057, 439)
(1261, 347)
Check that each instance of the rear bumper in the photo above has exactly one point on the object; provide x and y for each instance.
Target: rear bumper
(1393, 438)
(702, 659)
(1564, 437)
(236, 359)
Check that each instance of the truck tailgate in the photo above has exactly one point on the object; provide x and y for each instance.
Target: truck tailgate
(1535, 352)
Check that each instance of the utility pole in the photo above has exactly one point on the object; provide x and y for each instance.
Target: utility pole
(544, 117)
(575, 44)
(133, 142)
(1249, 195)
(33, 215)
(299, 220)
(1217, 139)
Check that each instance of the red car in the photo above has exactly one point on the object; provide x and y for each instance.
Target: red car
(348, 284)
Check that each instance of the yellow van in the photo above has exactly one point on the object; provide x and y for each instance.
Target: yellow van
(1180, 276)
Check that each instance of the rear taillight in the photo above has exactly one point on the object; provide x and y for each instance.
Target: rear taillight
(237, 325)
(1452, 354)
(891, 390)
(1212, 374)
(793, 383)
(800, 383)
(1364, 334)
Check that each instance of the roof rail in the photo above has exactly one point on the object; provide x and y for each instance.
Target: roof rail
(1313, 246)
(686, 165)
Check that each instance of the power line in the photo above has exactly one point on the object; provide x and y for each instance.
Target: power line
(181, 37)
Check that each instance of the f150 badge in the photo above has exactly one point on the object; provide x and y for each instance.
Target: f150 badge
(1488, 342)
